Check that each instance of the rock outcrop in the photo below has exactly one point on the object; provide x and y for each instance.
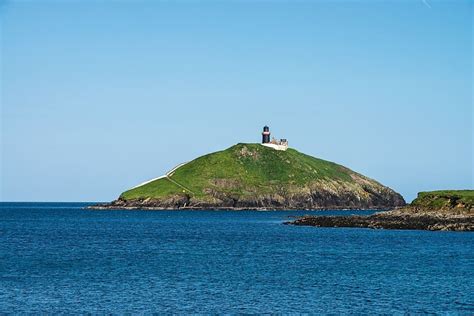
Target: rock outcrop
(438, 210)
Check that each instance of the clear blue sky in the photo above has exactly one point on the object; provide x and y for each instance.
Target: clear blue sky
(99, 96)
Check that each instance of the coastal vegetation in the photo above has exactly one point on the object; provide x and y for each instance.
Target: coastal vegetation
(255, 176)
(252, 166)
(445, 201)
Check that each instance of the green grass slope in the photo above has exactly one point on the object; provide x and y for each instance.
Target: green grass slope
(246, 170)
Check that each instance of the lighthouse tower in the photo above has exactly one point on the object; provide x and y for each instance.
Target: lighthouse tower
(266, 135)
(281, 144)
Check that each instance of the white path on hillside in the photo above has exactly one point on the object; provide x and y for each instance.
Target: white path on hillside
(167, 175)
(170, 173)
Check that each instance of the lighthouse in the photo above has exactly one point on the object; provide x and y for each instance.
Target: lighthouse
(266, 135)
(281, 144)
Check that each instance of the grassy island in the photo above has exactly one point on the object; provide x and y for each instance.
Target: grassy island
(249, 176)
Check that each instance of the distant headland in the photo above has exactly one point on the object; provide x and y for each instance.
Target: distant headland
(269, 176)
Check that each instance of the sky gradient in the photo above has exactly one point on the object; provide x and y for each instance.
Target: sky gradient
(98, 96)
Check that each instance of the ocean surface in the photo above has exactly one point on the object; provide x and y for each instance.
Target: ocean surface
(59, 257)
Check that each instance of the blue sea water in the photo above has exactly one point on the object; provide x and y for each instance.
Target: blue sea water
(59, 257)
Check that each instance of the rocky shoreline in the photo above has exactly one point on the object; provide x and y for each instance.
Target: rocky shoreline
(437, 210)
(391, 220)
(381, 199)
(298, 203)
(111, 206)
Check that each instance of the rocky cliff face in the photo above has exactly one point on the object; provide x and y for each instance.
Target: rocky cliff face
(250, 176)
(381, 198)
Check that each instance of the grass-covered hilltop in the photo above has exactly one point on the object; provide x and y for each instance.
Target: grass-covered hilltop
(252, 176)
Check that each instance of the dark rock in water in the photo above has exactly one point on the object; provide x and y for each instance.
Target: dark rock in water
(437, 210)
(389, 221)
